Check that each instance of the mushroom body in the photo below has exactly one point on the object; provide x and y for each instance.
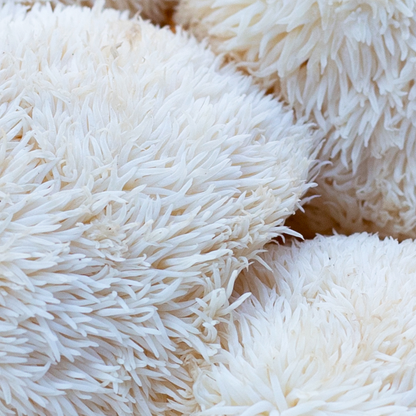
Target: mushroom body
(329, 329)
(138, 176)
(349, 66)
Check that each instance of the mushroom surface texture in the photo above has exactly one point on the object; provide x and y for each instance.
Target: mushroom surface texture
(349, 66)
(330, 329)
(158, 11)
(138, 176)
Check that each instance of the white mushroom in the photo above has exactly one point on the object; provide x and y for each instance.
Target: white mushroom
(349, 66)
(138, 176)
(330, 329)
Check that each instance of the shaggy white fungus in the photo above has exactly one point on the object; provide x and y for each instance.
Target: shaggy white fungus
(137, 178)
(349, 67)
(330, 329)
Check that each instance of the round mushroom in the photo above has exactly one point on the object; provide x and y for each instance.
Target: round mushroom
(329, 329)
(138, 176)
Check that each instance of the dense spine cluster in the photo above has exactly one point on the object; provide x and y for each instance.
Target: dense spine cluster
(329, 329)
(148, 180)
(348, 66)
(138, 176)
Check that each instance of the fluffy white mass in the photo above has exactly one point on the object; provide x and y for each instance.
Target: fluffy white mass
(330, 329)
(349, 67)
(137, 177)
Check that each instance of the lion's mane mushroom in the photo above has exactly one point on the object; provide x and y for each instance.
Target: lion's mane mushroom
(350, 67)
(138, 176)
(330, 329)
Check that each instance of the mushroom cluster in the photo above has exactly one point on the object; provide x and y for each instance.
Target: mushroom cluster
(157, 184)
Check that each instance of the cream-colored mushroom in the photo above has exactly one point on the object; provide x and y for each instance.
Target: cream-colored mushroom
(329, 329)
(138, 176)
(349, 66)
